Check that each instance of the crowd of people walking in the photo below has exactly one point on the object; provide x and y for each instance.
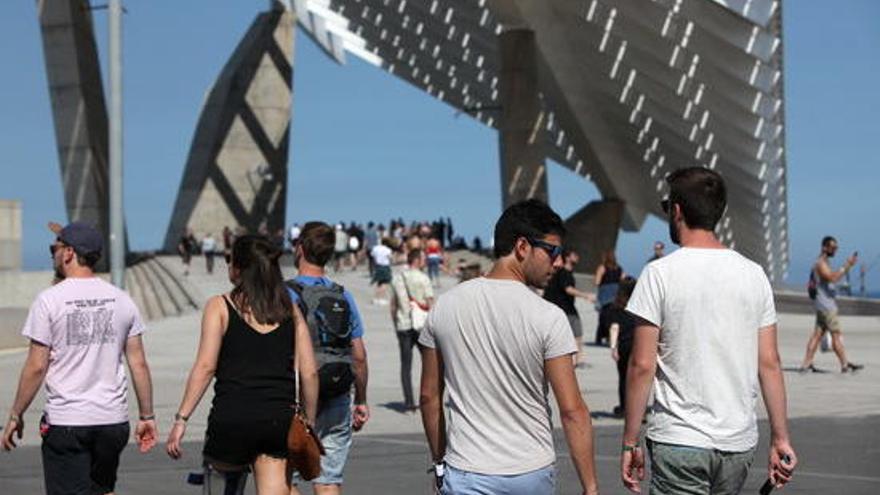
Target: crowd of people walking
(491, 347)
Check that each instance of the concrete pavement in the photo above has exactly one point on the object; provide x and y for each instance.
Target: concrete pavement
(837, 415)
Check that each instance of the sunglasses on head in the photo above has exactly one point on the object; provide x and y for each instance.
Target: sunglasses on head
(553, 250)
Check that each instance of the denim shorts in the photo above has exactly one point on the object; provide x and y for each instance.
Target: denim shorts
(333, 425)
(538, 482)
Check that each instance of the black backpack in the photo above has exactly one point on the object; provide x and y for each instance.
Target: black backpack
(811, 285)
(328, 316)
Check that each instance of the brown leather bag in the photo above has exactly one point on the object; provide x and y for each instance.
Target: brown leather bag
(303, 445)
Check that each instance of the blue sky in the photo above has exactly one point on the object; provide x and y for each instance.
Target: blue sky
(365, 145)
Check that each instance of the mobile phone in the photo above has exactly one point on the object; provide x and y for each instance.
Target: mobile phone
(767, 487)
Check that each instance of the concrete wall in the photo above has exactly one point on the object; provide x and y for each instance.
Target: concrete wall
(10, 234)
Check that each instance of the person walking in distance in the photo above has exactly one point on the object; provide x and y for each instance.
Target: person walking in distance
(382, 256)
(658, 251)
(706, 338)
(209, 248)
(493, 345)
(826, 306)
(608, 275)
(337, 335)
(622, 331)
(80, 329)
(412, 295)
(248, 341)
(561, 291)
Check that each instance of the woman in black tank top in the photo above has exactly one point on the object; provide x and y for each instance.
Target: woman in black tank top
(607, 278)
(249, 337)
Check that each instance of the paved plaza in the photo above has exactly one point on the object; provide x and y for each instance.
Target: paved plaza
(835, 418)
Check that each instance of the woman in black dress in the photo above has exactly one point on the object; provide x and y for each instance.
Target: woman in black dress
(248, 345)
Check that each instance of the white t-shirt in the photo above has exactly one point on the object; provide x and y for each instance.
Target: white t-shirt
(494, 336)
(381, 255)
(85, 322)
(709, 305)
(209, 245)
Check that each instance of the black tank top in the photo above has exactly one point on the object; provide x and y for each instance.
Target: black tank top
(255, 378)
(611, 276)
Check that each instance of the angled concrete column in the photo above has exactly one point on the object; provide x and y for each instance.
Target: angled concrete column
(78, 110)
(593, 230)
(10, 235)
(521, 128)
(236, 173)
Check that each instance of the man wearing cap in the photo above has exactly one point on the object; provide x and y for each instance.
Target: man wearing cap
(79, 329)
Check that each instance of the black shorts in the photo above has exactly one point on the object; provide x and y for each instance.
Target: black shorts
(82, 460)
(237, 443)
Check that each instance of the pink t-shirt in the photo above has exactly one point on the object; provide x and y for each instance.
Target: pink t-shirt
(85, 322)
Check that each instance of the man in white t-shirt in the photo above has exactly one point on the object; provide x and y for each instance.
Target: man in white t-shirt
(493, 345)
(706, 339)
(412, 296)
(381, 255)
(79, 330)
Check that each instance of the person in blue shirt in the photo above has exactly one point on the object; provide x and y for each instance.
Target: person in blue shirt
(339, 350)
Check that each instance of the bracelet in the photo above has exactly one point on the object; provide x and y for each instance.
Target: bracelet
(147, 417)
(15, 418)
(630, 448)
(180, 418)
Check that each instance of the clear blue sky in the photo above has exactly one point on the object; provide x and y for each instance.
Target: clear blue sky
(365, 145)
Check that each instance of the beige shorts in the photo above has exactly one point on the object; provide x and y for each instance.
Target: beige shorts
(827, 321)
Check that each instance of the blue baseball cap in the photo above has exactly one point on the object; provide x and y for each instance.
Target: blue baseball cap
(82, 237)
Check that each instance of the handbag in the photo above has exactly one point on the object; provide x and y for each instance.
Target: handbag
(304, 448)
(418, 312)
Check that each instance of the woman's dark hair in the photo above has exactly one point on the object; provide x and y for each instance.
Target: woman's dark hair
(609, 260)
(260, 290)
(701, 193)
(624, 291)
(531, 218)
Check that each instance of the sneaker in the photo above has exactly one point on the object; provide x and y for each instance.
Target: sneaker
(851, 367)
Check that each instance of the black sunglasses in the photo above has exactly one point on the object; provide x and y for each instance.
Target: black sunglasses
(553, 250)
(55, 246)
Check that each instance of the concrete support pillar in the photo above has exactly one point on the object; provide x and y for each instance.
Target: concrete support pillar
(10, 235)
(236, 173)
(521, 128)
(593, 230)
(78, 110)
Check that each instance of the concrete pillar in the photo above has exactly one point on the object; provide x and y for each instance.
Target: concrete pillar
(10, 235)
(236, 173)
(78, 110)
(593, 230)
(521, 128)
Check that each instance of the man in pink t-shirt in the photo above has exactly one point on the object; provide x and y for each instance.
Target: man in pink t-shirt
(79, 329)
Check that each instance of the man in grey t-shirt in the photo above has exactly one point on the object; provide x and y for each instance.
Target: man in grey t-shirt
(706, 340)
(493, 345)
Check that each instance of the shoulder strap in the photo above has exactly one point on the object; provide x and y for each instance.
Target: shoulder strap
(296, 403)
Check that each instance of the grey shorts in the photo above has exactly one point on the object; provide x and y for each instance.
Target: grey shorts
(683, 470)
(576, 328)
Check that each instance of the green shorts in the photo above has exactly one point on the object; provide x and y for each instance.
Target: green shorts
(683, 470)
(827, 321)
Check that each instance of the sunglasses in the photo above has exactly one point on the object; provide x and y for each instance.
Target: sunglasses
(55, 246)
(553, 250)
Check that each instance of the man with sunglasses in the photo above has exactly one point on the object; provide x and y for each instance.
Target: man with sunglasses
(79, 330)
(494, 345)
(705, 338)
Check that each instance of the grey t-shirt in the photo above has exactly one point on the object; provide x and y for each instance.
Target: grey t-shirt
(494, 336)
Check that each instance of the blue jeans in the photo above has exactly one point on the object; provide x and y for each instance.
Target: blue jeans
(539, 482)
(434, 267)
(333, 426)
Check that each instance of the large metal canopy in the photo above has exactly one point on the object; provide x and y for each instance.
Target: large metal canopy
(633, 89)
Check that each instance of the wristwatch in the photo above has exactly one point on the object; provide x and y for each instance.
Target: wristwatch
(180, 418)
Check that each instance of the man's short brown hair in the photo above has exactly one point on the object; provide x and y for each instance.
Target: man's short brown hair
(317, 240)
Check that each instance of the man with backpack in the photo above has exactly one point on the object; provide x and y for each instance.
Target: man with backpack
(822, 290)
(337, 331)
